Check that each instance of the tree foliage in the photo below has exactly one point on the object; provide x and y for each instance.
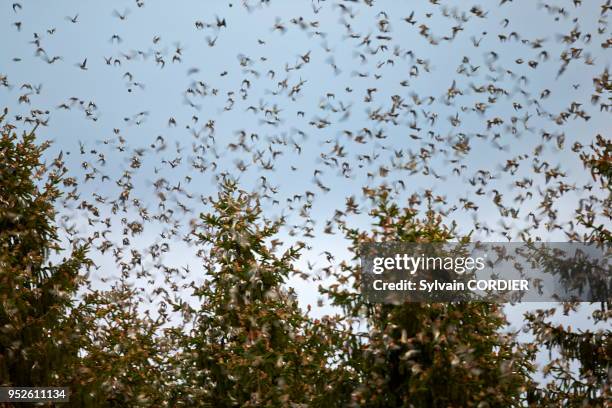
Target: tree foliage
(246, 341)
(36, 337)
(251, 344)
(581, 373)
(427, 354)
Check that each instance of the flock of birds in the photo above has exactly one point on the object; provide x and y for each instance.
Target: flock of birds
(479, 110)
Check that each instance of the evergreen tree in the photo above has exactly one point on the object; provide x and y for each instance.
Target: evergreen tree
(582, 370)
(37, 340)
(425, 354)
(124, 352)
(252, 345)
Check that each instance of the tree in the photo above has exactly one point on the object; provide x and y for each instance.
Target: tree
(581, 372)
(425, 354)
(37, 343)
(251, 345)
(124, 353)
(101, 346)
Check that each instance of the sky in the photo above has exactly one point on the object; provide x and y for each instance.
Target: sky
(303, 79)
